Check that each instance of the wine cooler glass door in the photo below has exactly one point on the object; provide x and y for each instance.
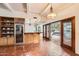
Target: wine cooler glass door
(19, 33)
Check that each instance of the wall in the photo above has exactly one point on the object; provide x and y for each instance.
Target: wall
(69, 12)
(29, 28)
(30, 19)
(7, 13)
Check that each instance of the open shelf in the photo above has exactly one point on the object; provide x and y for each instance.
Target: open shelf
(7, 26)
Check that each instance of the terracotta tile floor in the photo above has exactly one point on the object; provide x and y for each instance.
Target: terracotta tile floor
(45, 48)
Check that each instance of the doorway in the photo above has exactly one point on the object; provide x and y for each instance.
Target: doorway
(68, 33)
(46, 32)
(62, 33)
(55, 32)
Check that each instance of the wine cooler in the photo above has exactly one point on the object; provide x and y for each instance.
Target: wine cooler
(19, 32)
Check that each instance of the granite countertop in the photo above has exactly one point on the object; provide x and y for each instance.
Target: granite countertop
(32, 33)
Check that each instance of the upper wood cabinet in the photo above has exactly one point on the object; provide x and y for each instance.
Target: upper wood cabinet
(19, 20)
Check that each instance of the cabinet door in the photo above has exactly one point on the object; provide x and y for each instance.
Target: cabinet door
(30, 38)
(27, 38)
(11, 41)
(36, 38)
(3, 41)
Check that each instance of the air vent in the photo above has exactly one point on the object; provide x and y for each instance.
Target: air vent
(25, 7)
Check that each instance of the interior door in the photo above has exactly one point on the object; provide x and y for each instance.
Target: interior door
(19, 33)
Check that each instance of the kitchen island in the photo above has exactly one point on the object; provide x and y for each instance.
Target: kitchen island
(32, 37)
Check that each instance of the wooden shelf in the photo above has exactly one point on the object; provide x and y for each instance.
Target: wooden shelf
(7, 26)
(7, 22)
(7, 29)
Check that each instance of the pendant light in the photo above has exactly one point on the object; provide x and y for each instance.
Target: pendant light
(51, 14)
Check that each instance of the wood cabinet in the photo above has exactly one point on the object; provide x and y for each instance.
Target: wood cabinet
(28, 38)
(19, 20)
(6, 41)
(11, 41)
(3, 41)
(7, 26)
(32, 38)
(36, 38)
(7, 30)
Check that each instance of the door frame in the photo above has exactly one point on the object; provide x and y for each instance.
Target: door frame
(15, 34)
(72, 47)
(45, 31)
(73, 32)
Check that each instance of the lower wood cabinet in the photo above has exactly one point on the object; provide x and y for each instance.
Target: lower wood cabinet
(31, 38)
(36, 38)
(3, 41)
(6, 41)
(11, 41)
(28, 38)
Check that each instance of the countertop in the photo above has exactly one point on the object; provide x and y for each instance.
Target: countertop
(32, 33)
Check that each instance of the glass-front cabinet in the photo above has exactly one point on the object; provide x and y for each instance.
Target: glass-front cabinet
(19, 33)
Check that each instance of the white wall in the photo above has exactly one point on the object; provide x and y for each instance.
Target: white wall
(69, 12)
(7, 13)
(41, 27)
(29, 28)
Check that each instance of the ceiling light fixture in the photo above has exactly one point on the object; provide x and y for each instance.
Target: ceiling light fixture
(51, 15)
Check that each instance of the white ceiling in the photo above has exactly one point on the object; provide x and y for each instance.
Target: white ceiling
(3, 6)
(38, 8)
(17, 6)
(57, 7)
(35, 8)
